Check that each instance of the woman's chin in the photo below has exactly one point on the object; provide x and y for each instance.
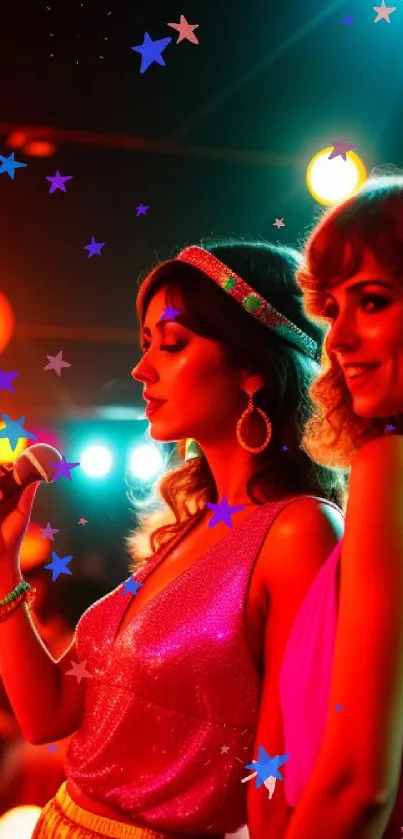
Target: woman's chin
(163, 435)
(376, 412)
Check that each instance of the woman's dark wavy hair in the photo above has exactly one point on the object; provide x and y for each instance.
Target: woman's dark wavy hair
(211, 313)
(371, 220)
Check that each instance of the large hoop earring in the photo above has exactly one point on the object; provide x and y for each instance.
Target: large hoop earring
(249, 410)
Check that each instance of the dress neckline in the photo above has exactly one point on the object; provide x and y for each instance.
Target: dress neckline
(150, 567)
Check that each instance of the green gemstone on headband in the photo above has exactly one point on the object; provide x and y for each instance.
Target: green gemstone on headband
(229, 282)
(251, 303)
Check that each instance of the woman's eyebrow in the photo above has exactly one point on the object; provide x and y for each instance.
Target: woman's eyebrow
(355, 286)
(160, 324)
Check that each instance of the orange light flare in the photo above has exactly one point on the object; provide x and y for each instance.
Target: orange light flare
(7, 322)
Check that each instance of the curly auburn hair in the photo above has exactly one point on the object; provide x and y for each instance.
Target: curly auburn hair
(371, 220)
(211, 313)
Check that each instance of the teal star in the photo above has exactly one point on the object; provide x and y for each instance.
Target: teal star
(14, 431)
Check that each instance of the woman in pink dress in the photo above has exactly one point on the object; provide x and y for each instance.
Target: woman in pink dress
(342, 675)
(171, 684)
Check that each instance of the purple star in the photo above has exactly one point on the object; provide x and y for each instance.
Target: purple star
(131, 586)
(58, 181)
(340, 147)
(170, 313)
(94, 247)
(151, 51)
(142, 210)
(58, 565)
(62, 469)
(223, 512)
(6, 379)
(389, 428)
(48, 531)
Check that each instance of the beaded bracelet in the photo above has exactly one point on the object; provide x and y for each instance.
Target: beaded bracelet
(23, 591)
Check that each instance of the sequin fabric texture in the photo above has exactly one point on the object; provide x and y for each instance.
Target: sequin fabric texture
(171, 691)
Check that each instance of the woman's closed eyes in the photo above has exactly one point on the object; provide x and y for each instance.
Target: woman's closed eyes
(164, 347)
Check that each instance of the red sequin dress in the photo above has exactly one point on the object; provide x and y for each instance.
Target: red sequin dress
(171, 711)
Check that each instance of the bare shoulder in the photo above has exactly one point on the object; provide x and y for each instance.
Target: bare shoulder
(304, 514)
(300, 539)
(382, 449)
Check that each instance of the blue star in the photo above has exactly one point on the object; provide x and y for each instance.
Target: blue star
(94, 247)
(58, 565)
(339, 707)
(267, 767)
(9, 165)
(6, 379)
(170, 313)
(15, 431)
(131, 586)
(151, 51)
(223, 512)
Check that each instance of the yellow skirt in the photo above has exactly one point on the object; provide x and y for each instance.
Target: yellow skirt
(61, 818)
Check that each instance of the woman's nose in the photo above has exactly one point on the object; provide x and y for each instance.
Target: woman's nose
(343, 333)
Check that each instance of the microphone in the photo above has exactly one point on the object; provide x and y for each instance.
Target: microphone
(33, 464)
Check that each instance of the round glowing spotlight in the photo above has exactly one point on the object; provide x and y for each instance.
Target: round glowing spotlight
(96, 461)
(20, 821)
(145, 462)
(332, 181)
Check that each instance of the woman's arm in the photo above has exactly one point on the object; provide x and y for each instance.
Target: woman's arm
(355, 782)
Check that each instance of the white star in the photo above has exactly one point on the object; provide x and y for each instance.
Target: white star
(383, 12)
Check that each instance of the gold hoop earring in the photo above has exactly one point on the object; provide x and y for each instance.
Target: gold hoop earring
(251, 407)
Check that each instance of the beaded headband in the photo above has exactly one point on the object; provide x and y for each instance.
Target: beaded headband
(249, 299)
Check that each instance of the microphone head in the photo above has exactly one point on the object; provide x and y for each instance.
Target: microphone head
(34, 464)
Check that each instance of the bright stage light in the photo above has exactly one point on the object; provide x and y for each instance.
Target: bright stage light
(19, 822)
(145, 462)
(332, 181)
(96, 461)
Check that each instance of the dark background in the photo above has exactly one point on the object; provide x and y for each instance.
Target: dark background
(216, 142)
